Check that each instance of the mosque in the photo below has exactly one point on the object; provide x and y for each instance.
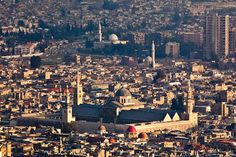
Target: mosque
(112, 40)
(122, 113)
(151, 61)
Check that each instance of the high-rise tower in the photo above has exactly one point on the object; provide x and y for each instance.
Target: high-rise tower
(153, 55)
(79, 90)
(216, 36)
(100, 31)
(232, 42)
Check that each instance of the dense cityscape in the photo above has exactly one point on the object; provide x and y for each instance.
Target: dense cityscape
(110, 78)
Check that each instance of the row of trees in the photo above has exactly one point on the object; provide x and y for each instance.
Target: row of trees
(35, 62)
(109, 5)
(54, 32)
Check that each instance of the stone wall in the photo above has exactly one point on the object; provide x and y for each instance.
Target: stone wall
(92, 127)
(84, 126)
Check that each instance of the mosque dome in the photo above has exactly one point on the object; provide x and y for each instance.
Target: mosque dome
(112, 140)
(113, 38)
(123, 92)
(148, 60)
(143, 135)
(131, 129)
(102, 128)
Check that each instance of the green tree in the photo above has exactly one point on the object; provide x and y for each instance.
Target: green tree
(181, 103)
(10, 42)
(176, 17)
(104, 23)
(42, 46)
(109, 5)
(186, 49)
(42, 24)
(178, 104)
(63, 12)
(67, 58)
(159, 75)
(88, 44)
(35, 62)
(91, 26)
(174, 105)
(21, 23)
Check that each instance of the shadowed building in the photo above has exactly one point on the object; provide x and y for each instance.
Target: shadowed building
(232, 42)
(216, 36)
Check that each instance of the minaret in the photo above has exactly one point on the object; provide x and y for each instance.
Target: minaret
(67, 109)
(79, 90)
(61, 145)
(60, 93)
(153, 55)
(100, 31)
(67, 96)
(190, 99)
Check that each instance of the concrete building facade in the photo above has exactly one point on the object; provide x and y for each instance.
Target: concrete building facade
(232, 42)
(172, 49)
(216, 36)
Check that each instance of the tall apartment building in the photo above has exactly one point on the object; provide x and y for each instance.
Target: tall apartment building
(28, 48)
(233, 21)
(216, 36)
(139, 37)
(232, 42)
(194, 37)
(172, 49)
(220, 109)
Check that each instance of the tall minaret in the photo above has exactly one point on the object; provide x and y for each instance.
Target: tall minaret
(190, 99)
(100, 31)
(79, 90)
(67, 96)
(67, 116)
(153, 55)
(60, 93)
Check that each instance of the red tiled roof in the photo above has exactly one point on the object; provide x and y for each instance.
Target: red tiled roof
(131, 129)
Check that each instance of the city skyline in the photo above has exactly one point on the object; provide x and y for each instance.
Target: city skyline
(118, 78)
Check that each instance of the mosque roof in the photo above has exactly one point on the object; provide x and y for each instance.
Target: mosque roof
(113, 38)
(131, 129)
(148, 59)
(144, 115)
(123, 92)
(87, 112)
(143, 135)
(102, 128)
(93, 113)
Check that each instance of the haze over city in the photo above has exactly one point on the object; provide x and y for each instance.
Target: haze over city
(104, 78)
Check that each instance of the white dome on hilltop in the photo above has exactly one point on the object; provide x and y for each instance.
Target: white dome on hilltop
(113, 38)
